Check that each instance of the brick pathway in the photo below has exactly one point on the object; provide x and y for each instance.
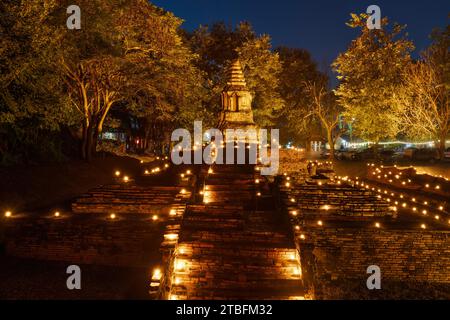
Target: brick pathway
(234, 245)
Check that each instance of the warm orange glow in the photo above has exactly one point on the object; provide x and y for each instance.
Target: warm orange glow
(155, 217)
(180, 265)
(56, 214)
(156, 274)
(112, 216)
(172, 212)
(171, 236)
(423, 226)
(320, 223)
(117, 173)
(8, 214)
(126, 179)
(377, 224)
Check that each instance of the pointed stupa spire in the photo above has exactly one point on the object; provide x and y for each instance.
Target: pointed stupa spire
(235, 76)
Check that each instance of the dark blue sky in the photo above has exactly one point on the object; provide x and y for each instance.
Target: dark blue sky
(317, 25)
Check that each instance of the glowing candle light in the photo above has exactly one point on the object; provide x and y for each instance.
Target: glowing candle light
(156, 274)
(256, 180)
(112, 216)
(423, 226)
(424, 212)
(436, 217)
(155, 217)
(377, 224)
(183, 191)
(126, 179)
(117, 173)
(8, 214)
(320, 223)
(56, 214)
(171, 236)
(172, 212)
(294, 213)
(302, 236)
(180, 265)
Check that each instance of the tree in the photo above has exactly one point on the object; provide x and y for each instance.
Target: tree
(218, 45)
(369, 76)
(296, 118)
(33, 106)
(423, 100)
(327, 110)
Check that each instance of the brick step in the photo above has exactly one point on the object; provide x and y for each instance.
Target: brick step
(194, 249)
(239, 262)
(234, 208)
(243, 292)
(237, 239)
(227, 187)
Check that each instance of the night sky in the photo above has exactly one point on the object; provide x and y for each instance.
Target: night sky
(317, 25)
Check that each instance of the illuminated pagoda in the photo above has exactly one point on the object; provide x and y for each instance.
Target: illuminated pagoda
(236, 102)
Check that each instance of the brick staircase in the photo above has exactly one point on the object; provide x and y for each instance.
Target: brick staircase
(339, 199)
(234, 245)
(126, 198)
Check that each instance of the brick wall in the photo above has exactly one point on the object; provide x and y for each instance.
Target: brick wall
(86, 239)
(403, 255)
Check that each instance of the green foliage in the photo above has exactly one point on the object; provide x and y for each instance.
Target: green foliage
(296, 118)
(369, 72)
(32, 104)
(218, 45)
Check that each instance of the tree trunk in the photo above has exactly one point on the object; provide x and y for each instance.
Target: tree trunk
(331, 143)
(84, 142)
(89, 143)
(441, 148)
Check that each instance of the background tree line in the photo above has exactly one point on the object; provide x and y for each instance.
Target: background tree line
(132, 65)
